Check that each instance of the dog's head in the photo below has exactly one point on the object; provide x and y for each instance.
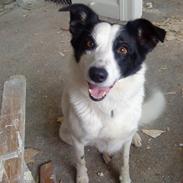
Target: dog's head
(108, 52)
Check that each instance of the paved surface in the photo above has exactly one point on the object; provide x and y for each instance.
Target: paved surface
(32, 43)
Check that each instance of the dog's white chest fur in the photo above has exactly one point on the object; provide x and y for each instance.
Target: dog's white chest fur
(109, 123)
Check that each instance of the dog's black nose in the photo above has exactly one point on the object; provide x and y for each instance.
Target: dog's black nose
(98, 75)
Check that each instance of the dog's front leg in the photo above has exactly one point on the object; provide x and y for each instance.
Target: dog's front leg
(82, 176)
(125, 174)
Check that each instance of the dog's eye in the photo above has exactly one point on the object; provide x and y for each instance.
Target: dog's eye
(89, 44)
(122, 50)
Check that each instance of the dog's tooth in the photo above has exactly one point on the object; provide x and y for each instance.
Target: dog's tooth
(104, 94)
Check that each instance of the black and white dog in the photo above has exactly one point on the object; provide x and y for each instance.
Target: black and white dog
(103, 100)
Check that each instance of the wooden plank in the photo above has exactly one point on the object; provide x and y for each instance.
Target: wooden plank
(8, 136)
(3, 176)
(12, 129)
(13, 102)
(47, 173)
(13, 168)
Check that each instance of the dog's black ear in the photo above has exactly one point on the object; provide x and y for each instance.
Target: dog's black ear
(81, 17)
(146, 34)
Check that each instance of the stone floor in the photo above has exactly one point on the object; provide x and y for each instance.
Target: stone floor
(35, 44)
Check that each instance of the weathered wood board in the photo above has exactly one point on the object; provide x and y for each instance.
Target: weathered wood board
(12, 130)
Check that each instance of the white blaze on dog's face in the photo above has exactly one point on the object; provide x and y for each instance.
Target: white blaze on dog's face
(98, 65)
(108, 52)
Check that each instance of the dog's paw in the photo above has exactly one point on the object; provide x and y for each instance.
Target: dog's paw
(82, 176)
(137, 141)
(82, 179)
(125, 179)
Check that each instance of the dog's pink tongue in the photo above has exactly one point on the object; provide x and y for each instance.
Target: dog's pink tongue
(98, 92)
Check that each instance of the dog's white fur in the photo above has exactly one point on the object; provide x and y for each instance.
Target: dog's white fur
(103, 56)
(110, 124)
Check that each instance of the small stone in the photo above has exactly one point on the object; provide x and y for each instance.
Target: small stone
(168, 129)
(106, 158)
(100, 174)
(149, 5)
(61, 54)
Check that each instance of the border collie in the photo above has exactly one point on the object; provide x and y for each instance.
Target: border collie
(103, 98)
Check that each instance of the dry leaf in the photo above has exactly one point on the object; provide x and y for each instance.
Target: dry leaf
(29, 155)
(153, 133)
(164, 67)
(60, 119)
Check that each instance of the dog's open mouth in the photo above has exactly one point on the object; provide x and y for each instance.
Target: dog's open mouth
(97, 93)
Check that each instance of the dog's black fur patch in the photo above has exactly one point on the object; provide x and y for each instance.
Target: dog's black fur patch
(146, 34)
(82, 21)
(139, 37)
(131, 62)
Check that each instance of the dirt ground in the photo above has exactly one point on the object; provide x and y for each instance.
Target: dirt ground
(33, 43)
